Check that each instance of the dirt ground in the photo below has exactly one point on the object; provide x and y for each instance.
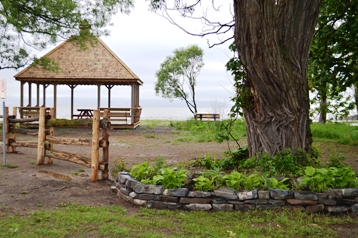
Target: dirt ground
(31, 187)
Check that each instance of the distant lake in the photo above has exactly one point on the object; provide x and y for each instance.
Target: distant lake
(158, 113)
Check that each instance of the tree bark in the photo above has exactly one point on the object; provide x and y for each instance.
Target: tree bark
(273, 38)
(323, 106)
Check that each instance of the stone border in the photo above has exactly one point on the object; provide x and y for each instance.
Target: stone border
(225, 199)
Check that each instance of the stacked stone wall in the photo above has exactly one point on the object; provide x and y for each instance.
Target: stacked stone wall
(226, 199)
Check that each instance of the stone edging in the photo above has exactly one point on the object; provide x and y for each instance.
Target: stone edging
(225, 199)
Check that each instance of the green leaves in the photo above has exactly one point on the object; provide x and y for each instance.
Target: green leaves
(177, 75)
(38, 23)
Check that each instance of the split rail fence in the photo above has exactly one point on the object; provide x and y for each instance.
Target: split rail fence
(46, 140)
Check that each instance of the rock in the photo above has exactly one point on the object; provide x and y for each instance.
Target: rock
(354, 209)
(247, 195)
(276, 202)
(225, 193)
(173, 205)
(114, 189)
(315, 208)
(131, 183)
(334, 193)
(219, 200)
(336, 209)
(180, 192)
(168, 198)
(125, 197)
(156, 204)
(223, 207)
(280, 194)
(148, 188)
(303, 195)
(350, 192)
(301, 202)
(145, 196)
(327, 201)
(133, 195)
(139, 202)
(346, 202)
(199, 194)
(124, 191)
(263, 194)
(198, 207)
(257, 201)
(244, 208)
(195, 200)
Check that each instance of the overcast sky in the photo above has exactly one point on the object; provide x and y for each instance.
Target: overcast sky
(143, 40)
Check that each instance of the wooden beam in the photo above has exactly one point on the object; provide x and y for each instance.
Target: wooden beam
(69, 141)
(74, 158)
(41, 137)
(95, 146)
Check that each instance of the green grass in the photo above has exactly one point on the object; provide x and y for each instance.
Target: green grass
(70, 220)
(335, 132)
(198, 131)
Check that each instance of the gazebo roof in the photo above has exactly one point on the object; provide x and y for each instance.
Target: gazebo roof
(96, 65)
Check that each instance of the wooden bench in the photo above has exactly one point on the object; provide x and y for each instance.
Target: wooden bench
(207, 116)
(118, 114)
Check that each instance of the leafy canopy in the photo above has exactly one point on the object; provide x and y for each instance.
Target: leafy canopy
(177, 75)
(26, 24)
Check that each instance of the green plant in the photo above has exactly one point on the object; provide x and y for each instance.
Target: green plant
(275, 183)
(171, 178)
(141, 171)
(119, 165)
(336, 159)
(203, 184)
(253, 181)
(321, 179)
(234, 180)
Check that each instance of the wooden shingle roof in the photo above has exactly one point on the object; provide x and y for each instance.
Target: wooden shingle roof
(96, 65)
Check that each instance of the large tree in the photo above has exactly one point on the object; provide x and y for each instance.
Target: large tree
(177, 75)
(334, 54)
(26, 24)
(273, 39)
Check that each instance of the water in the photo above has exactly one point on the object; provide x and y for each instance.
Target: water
(158, 113)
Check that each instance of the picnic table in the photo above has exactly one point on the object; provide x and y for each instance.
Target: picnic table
(85, 113)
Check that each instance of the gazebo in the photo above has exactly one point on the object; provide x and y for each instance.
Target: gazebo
(97, 65)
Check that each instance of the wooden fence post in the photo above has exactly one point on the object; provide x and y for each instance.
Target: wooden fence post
(95, 145)
(105, 137)
(41, 136)
(52, 132)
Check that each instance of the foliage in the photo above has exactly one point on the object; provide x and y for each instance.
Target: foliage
(39, 23)
(282, 163)
(119, 166)
(274, 183)
(333, 56)
(321, 179)
(234, 180)
(177, 75)
(170, 178)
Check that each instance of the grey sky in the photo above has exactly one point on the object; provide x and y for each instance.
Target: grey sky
(143, 40)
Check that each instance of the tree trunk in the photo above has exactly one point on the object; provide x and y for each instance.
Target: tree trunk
(273, 38)
(323, 107)
(356, 95)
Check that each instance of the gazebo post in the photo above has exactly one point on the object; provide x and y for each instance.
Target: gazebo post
(55, 100)
(22, 94)
(37, 94)
(72, 92)
(44, 95)
(98, 96)
(29, 98)
(109, 87)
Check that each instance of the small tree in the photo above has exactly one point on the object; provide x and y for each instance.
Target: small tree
(177, 75)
